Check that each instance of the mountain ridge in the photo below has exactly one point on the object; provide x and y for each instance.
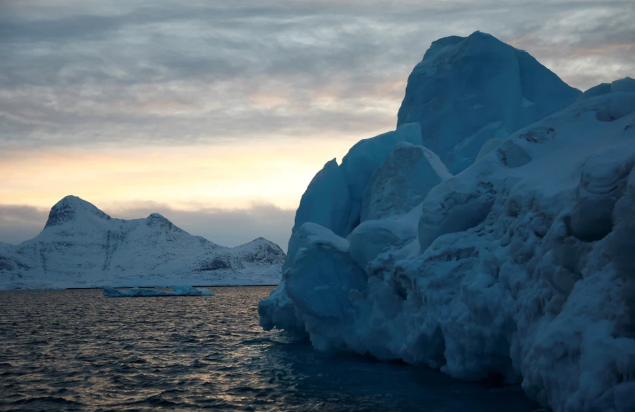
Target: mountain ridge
(82, 246)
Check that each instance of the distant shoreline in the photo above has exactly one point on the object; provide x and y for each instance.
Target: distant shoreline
(157, 287)
(140, 287)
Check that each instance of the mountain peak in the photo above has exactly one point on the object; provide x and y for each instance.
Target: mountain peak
(69, 207)
(157, 220)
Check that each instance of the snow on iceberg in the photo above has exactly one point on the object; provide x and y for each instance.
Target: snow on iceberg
(521, 267)
(622, 85)
(147, 292)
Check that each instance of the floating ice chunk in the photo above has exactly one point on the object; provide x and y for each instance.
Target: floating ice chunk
(145, 292)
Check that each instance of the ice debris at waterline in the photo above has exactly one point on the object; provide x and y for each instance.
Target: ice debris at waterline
(522, 266)
(150, 292)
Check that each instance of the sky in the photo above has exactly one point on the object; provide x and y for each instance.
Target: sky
(217, 114)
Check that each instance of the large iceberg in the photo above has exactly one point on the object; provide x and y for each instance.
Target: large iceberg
(521, 267)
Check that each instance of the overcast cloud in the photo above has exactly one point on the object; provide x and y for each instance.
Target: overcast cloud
(91, 72)
(87, 74)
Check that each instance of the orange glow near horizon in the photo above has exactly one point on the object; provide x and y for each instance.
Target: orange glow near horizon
(224, 176)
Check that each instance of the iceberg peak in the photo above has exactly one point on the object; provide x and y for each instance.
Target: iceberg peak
(468, 90)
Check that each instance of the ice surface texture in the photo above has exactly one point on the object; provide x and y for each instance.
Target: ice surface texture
(334, 197)
(145, 293)
(468, 90)
(81, 246)
(520, 267)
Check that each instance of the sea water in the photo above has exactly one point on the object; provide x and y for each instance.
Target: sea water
(78, 350)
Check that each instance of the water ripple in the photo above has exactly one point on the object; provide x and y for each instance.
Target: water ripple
(75, 350)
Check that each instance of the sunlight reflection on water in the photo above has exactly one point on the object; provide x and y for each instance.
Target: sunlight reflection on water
(76, 350)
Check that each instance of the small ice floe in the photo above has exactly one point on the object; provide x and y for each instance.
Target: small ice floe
(146, 292)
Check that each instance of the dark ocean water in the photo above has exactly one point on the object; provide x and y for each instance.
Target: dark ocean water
(76, 350)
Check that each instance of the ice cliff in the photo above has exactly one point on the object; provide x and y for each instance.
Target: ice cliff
(81, 246)
(522, 266)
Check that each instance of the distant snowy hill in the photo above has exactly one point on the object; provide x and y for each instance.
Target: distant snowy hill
(520, 266)
(81, 246)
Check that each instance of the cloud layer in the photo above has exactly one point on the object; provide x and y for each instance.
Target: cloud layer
(225, 227)
(88, 72)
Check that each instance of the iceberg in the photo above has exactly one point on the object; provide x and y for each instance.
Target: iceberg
(151, 292)
(520, 267)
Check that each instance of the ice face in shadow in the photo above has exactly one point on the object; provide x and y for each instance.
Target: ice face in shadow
(520, 267)
(334, 197)
(326, 200)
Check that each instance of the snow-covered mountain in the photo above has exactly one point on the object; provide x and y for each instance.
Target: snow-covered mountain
(81, 246)
(522, 266)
